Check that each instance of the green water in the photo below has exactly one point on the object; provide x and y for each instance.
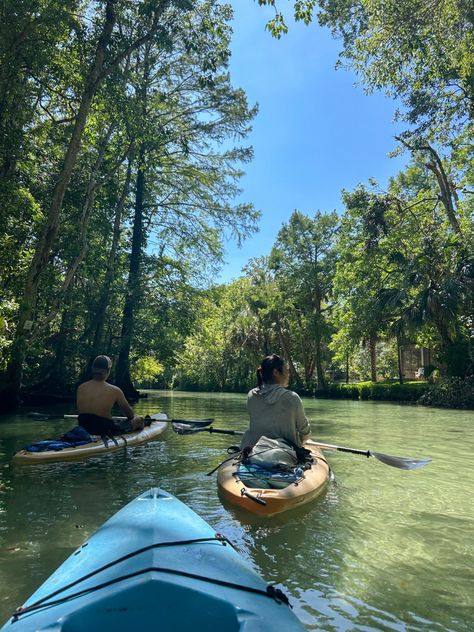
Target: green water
(381, 549)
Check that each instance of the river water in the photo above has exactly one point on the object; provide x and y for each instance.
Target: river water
(381, 549)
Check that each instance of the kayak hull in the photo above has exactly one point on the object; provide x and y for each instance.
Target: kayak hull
(273, 501)
(155, 565)
(97, 448)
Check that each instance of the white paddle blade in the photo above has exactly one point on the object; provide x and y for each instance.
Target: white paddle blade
(402, 462)
(184, 429)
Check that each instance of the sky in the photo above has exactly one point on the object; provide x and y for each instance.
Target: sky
(316, 132)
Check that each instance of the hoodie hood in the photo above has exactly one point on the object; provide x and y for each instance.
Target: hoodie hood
(270, 393)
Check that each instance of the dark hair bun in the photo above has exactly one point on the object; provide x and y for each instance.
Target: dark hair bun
(268, 365)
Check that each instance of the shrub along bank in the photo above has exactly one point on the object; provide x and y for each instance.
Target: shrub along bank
(452, 392)
(387, 391)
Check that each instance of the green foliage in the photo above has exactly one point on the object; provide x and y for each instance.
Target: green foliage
(336, 295)
(222, 352)
(386, 391)
(8, 310)
(303, 260)
(451, 392)
(171, 102)
(146, 370)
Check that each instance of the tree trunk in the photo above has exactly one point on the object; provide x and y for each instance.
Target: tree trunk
(287, 351)
(321, 378)
(446, 189)
(58, 375)
(82, 244)
(373, 358)
(399, 359)
(104, 299)
(122, 371)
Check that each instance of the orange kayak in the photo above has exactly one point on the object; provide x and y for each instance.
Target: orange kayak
(268, 502)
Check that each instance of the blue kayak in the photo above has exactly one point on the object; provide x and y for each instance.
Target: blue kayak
(155, 565)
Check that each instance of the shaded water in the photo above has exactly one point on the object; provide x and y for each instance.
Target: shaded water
(381, 549)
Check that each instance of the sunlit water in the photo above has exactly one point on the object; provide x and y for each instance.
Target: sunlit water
(381, 549)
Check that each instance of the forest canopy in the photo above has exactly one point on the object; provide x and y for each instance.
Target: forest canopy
(122, 142)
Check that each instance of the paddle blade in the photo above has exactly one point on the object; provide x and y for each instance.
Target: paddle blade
(402, 462)
(197, 423)
(185, 429)
(190, 423)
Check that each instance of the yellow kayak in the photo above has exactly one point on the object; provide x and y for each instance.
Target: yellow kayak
(98, 446)
(268, 502)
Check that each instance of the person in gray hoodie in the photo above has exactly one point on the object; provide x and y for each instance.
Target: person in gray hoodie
(274, 411)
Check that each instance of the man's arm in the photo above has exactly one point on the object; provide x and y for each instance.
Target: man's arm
(121, 401)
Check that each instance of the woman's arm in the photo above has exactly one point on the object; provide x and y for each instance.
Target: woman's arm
(302, 424)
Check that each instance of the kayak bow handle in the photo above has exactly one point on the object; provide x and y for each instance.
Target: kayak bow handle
(256, 499)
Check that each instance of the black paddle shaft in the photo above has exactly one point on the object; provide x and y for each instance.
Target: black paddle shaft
(223, 431)
(366, 453)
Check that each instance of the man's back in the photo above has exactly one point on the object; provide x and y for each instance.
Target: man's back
(98, 397)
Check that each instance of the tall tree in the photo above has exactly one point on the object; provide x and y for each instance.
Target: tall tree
(107, 55)
(184, 184)
(304, 260)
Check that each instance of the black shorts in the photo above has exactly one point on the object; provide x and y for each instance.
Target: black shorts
(96, 425)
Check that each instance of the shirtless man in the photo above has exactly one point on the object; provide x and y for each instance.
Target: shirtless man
(96, 398)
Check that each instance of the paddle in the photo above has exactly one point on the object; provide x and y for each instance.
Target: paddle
(183, 429)
(403, 463)
(198, 423)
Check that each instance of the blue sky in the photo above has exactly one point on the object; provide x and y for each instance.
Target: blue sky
(316, 132)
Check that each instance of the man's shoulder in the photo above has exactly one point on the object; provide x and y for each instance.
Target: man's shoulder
(113, 389)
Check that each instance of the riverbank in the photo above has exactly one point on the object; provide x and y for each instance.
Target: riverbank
(447, 392)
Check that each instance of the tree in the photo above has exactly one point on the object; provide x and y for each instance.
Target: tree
(362, 271)
(184, 184)
(419, 52)
(303, 259)
(104, 59)
(188, 180)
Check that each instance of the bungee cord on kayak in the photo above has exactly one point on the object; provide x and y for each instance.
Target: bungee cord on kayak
(218, 537)
(275, 593)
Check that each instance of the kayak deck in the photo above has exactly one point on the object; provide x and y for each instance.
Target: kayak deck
(98, 447)
(154, 565)
(268, 502)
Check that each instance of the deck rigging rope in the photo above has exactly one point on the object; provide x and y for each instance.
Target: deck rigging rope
(271, 591)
